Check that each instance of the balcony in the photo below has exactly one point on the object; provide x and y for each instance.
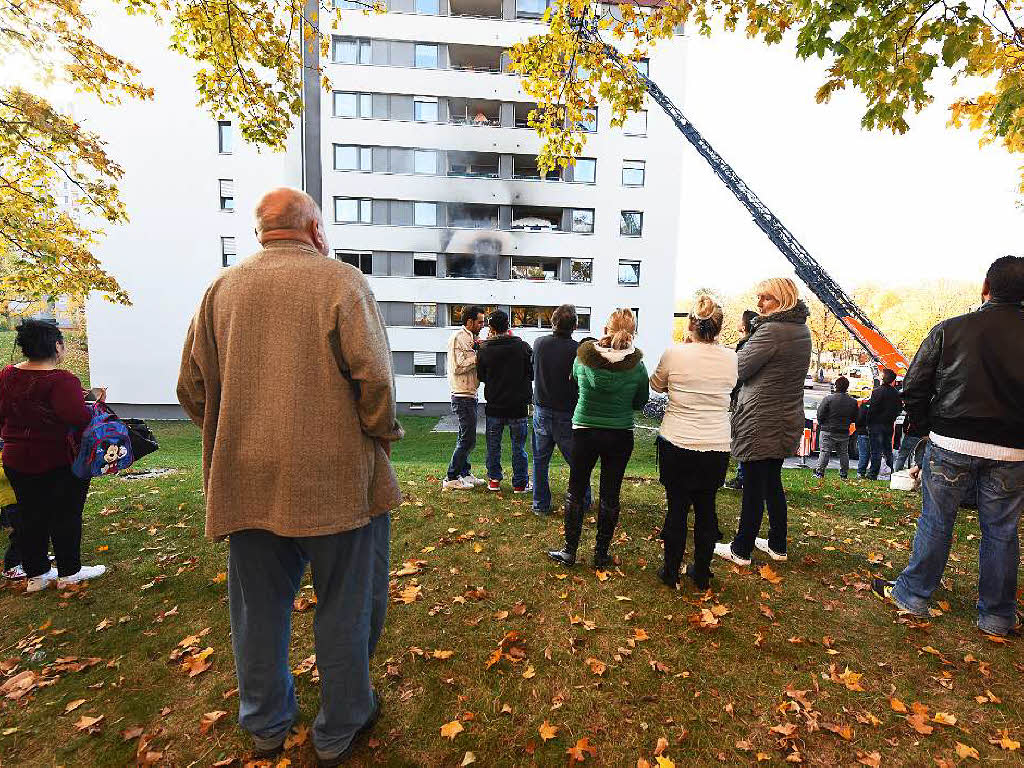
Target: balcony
(478, 112)
(477, 9)
(525, 167)
(521, 112)
(472, 216)
(474, 58)
(532, 268)
(474, 165)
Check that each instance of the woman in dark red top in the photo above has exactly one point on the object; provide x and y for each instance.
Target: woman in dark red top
(42, 413)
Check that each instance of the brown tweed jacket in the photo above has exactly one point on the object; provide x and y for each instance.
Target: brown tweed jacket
(287, 370)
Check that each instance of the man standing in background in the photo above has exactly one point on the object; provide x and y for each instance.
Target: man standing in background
(835, 415)
(463, 381)
(884, 408)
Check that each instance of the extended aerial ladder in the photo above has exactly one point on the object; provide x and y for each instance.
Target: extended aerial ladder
(807, 268)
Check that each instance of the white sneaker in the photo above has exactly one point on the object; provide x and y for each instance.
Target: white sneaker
(14, 573)
(458, 484)
(724, 549)
(762, 544)
(85, 573)
(41, 582)
(476, 481)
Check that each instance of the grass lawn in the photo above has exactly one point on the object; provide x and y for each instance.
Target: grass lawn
(801, 665)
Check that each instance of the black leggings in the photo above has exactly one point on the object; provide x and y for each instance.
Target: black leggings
(51, 505)
(705, 528)
(613, 447)
(762, 487)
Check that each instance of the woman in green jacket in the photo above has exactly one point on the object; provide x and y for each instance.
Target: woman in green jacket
(612, 383)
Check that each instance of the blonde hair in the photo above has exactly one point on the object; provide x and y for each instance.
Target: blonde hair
(619, 330)
(706, 318)
(782, 289)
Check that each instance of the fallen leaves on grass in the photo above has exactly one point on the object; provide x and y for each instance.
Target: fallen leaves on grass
(410, 594)
(963, 751)
(468, 759)
(210, 719)
(297, 737)
(897, 706)
(1003, 741)
(919, 722)
(848, 678)
(197, 663)
(303, 603)
(597, 666)
(547, 731)
(73, 705)
(769, 574)
(132, 733)
(872, 759)
(578, 753)
(944, 718)
(451, 730)
(511, 647)
(89, 724)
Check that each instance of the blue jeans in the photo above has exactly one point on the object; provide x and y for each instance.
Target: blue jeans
(350, 579)
(946, 476)
(518, 429)
(881, 446)
(464, 409)
(550, 428)
(907, 447)
(863, 453)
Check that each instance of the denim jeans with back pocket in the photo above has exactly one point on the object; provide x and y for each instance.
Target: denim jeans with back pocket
(947, 477)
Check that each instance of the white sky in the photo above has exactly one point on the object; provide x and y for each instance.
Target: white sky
(870, 206)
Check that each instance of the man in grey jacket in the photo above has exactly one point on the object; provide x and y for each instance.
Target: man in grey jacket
(835, 415)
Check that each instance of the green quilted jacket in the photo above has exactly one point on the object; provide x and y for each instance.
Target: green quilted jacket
(610, 388)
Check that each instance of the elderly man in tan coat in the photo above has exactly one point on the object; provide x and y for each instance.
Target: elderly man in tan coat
(287, 370)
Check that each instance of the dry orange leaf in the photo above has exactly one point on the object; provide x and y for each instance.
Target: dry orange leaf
(73, 705)
(596, 666)
(664, 762)
(297, 738)
(963, 751)
(918, 723)
(88, 723)
(945, 718)
(209, 719)
(897, 705)
(769, 575)
(872, 759)
(640, 634)
(529, 672)
(578, 753)
(468, 759)
(784, 729)
(602, 575)
(661, 746)
(1003, 741)
(547, 731)
(451, 730)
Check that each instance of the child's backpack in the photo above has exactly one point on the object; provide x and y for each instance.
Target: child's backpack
(106, 445)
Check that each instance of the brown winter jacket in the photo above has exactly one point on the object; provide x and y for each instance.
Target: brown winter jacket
(287, 370)
(768, 419)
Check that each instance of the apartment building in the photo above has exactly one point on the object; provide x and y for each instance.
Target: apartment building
(429, 185)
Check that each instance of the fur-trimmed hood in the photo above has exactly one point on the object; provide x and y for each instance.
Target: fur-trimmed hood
(797, 314)
(592, 355)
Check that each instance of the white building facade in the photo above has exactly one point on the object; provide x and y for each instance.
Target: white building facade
(429, 186)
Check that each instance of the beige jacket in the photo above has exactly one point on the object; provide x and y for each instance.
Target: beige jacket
(462, 378)
(287, 370)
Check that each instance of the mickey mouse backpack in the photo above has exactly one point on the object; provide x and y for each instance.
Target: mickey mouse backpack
(106, 445)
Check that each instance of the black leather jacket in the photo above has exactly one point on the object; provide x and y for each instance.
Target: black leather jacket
(967, 379)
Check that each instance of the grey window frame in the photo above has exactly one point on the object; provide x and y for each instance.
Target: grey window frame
(364, 207)
(225, 137)
(416, 55)
(419, 205)
(416, 153)
(590, 267)
(436, 8)
(362, 154)
(572, 220)
(228, 251)
(628, 131)
(415, 308)
(593, 165)
(226, 191)
(624, 231)
(629, 263)
(364, 259)
(422, 256)
(642, 169)
(362, 50)
(433, 100)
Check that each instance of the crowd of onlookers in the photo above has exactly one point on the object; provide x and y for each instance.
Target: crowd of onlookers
(286, 369)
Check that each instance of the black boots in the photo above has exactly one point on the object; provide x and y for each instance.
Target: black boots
(607, 519)
(573, 528)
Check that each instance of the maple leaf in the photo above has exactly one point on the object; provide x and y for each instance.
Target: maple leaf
(297, 737)
(851, 680)
(784, 729)
(437, 654)
(451, 730)
(529, 672)
(918, 723)
(640, 634)
(494, 658)
(963, 751)
(897, 705)
(664, 762)
(209, 719)
(596, 666)
(769, 575)
(410, 594)
(197, 663)
(1003, 741)
(547, 731)
(577, 753)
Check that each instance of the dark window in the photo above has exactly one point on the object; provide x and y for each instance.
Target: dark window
(631, 223)
(361, 261)
(227, 194)
(228, 254)
(581, 270)
(424, 265)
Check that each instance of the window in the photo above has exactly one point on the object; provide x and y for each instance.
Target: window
(348, 157)
(588, 124)
(426, 55)
(352, 104)
(348, 5)
(582, 318)
(429, 7)
(585, 170)
(644, 67)
(424, 264)
(629, 272)
(227, 194)
(424, 315)
(425, 214)
(581, 271)
(224, 137)
(350, 210)
(532, 317)
(631, 223)
(636, 124)
(425, 161)
(636, 317)
(424, 109)
(633, 173)
(349, 50)
(525, 268)
(424, 363)
(228, 253)
(530, 9)
(583, 220)
(363, 261)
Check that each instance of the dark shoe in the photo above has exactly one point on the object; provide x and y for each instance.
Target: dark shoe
(607, 519)
(270, 752)
(345, 754)
(546, 512)
(819, 475)
(702, 582)
(735, 484)
(573, 528)
(882, 589)
(667, 579)
(843, 477)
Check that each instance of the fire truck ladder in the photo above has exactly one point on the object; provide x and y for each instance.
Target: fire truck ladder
(807, 268)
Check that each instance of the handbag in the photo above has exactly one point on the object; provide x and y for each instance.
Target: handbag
(142, 438)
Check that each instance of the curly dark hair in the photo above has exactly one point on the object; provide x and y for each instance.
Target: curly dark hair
(38, 339)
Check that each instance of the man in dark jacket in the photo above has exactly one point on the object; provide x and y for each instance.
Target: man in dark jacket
(885, 409)
(835, 415)
(863, 440)
(554, 400)
(965, 384)
(504, 364)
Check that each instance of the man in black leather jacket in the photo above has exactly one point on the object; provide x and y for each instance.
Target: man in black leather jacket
(966, 384)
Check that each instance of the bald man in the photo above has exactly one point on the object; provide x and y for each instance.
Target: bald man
(287, 370)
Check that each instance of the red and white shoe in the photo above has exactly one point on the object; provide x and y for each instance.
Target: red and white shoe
(493, 485)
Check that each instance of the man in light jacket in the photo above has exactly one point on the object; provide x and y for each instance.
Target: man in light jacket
(287, 371)
(463, 381)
